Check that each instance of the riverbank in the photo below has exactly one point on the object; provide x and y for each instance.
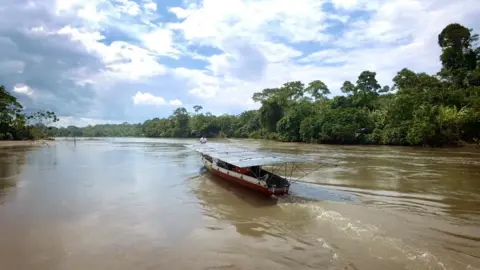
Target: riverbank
(5, 144)
(213, 139)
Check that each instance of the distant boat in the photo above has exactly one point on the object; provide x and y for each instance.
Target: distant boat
(244, 166)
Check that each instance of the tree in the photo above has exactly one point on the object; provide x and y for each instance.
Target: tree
(42, 118)
(348, 88)
(288, 126)
(265, 94)
(456, 43)
(15, 125)
(450, 120)
(180, 119)
(459, 58)
(10, 109)
(367, 83)
(270, 113)
(289, 91)
(367, 89)
(317, 89)
(41, 122)
(292, 90)
(197, 108)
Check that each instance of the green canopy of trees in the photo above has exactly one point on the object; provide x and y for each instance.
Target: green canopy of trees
(419, 109)
(16, 125)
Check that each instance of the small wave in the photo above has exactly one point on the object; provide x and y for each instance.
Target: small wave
(328, 247)
(359, 233)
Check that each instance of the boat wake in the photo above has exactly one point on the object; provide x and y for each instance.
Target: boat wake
(347, 237)
(315, 192)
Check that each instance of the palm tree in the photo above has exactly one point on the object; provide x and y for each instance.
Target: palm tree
(451, 117)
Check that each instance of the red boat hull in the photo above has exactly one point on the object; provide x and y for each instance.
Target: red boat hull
(242, 182)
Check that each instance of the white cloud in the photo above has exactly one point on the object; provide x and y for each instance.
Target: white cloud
(23, 89)
(151, 6)
(219, 63)
(67, 6)
(345, 4)
(277, 52)
(89, 39)
(39, 29)
(147, 99)
(90, 13)
(160, 42)
(181, 13)
(122, 60)
(337, 17)
(176, 102)
(130, 7)
(200, 83)
(128, 61)
(325, 56)
(65, 121)
(214, 20)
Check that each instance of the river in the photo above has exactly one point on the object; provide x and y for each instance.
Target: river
(118, 203)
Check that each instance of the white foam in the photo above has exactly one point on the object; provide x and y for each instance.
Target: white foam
(328, 247)
(370, 235)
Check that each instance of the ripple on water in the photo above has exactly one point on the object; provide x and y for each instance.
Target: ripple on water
(355, 238)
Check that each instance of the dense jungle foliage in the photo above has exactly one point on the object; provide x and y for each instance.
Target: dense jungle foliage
(419, 109)
(17, 125)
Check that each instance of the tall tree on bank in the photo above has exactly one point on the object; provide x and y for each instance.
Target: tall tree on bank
(318, 90)
(460, 59)
(197, 108)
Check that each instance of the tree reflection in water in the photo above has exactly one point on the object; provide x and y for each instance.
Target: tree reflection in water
(12, 160)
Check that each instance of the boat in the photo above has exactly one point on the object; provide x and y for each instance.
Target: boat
(246, 167)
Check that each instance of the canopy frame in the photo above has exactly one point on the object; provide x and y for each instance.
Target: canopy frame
(245, 157)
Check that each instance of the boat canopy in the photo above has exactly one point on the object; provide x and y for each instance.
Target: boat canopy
(245, 157)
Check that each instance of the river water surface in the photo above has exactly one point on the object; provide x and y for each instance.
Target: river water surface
(149, 204)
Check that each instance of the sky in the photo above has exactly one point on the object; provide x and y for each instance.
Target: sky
(114, 61)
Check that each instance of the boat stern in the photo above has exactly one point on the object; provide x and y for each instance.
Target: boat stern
(279, 191)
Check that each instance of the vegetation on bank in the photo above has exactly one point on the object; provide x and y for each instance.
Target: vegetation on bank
(17, 125)
(419, 109)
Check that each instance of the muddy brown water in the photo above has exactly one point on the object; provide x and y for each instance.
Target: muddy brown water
(149, 204)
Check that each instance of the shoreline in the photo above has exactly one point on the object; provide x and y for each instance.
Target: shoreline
(451, 146)
(6, 144)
